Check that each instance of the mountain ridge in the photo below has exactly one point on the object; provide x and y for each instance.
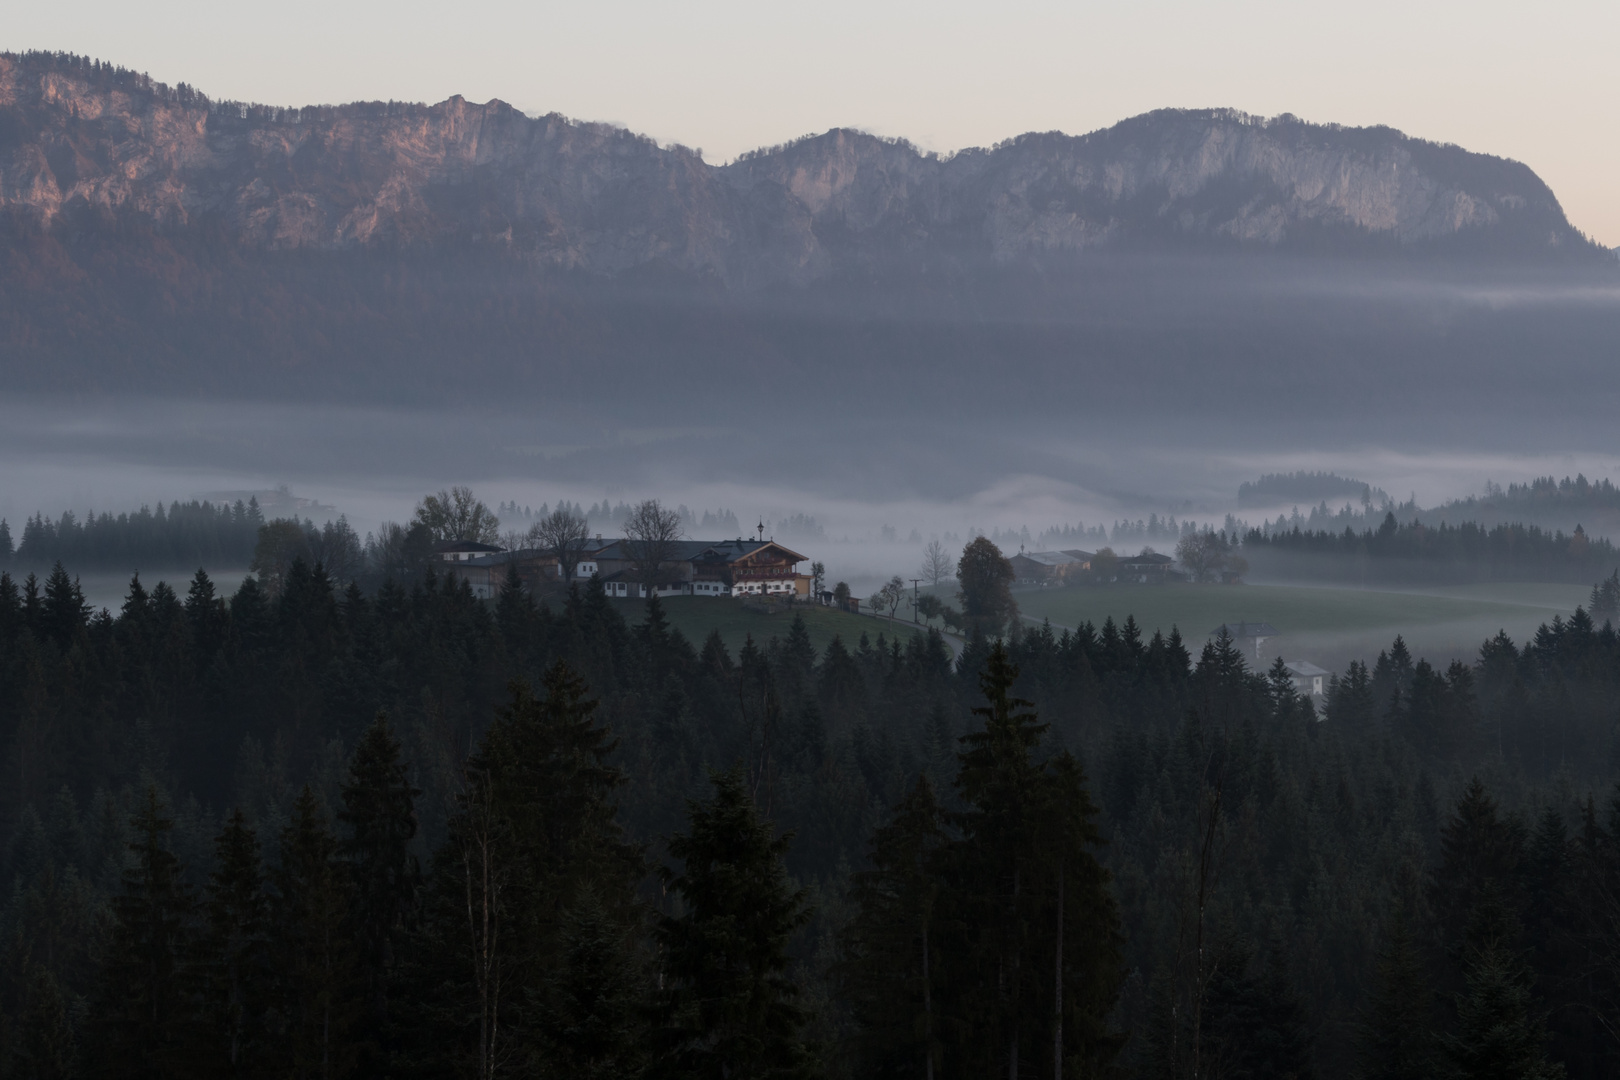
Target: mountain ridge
(89, 143)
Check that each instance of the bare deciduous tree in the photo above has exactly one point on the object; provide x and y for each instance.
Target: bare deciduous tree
(280, 543)
(936, 564)
(650, 532)
(457, 514)
(1208, 556)
(564, 535)
(397, 551)
(337, 548)
(889, 597)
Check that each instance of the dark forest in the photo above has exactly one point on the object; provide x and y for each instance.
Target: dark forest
(406, 832)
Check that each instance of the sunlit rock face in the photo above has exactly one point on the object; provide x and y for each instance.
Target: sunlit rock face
(84, 143)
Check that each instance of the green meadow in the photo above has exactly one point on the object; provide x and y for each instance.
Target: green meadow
(1327, 626)
(698, 616)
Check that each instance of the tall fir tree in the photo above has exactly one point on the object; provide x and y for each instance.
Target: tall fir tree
(315, 995)
(1033, 965)
(44, 1045)
(1395, 1040)
(992, 873)
(1482, 852)
(533, 845)
(1254, 1025)
(1077, 928)
(1500, 1033)
(231, 969)
(379, 815)
(889, 947)
(729, 1006)
(141, 1017)
(590, 1022)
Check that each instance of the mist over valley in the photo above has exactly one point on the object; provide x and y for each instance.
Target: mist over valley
(486, 593)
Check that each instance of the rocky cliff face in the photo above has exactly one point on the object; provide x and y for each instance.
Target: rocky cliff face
(84, 143)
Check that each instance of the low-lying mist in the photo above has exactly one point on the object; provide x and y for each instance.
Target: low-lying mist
(871, 518)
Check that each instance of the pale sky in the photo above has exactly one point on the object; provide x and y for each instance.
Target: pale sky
(1535, 82)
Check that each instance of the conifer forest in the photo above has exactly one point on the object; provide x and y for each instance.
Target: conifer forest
(324, 832)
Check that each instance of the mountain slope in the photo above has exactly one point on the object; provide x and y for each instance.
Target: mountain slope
(85, 143)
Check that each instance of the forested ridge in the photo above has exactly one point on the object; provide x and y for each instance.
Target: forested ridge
(405, 832)
(1437, 554)
(181, 534)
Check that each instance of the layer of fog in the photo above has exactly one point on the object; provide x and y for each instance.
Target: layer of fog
(373, 465)
(1093, 393)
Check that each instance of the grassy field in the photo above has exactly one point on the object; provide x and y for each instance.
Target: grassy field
(697, 616)
(1327, 626)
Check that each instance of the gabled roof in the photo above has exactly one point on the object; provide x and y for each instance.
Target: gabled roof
(1245, 630)
(731, 551)
(1152, 558)
(1080, 556)
(722, 551)
(445, 547)
(501, 556)
(1048, 558)
(1304, 669)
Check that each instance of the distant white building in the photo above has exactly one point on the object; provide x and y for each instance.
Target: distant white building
(753, 568)
(1246, 635)
(463, 550)
(1308, 678)
(1045, 567)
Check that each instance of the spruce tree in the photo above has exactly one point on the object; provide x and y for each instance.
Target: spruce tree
(890, 963)
(993, 871)
(1350, 704)
(533, 844)
(1500, 1033)
(590, 1022)
(379, 815)
(141, 1018)
(1481, 854)
(65, 612)
(729, 1007)
(315, 995)
(44, 1048)
(1030, 935)
(1076, 937)
(232, 965)
(1253, 1023)
(1395, 1041)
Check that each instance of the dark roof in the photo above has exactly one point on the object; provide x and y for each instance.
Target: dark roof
(446, 546)
(1152, 558)
(732, 550)
(1245, 630)
(1048, 558)
(1076, 553)
(699, 550)
(501, 556)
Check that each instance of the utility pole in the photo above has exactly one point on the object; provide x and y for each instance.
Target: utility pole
(914, 582)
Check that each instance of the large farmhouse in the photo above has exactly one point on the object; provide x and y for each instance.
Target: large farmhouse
(1047, 567)
(689, 568)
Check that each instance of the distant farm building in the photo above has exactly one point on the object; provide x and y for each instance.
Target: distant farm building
(463, 550)
(1248, 636)
(1308, 678)
(1148, 568)
(1046, 567)
(713, 568)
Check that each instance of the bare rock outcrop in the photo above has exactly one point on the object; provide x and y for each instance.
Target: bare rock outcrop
(86, 142)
